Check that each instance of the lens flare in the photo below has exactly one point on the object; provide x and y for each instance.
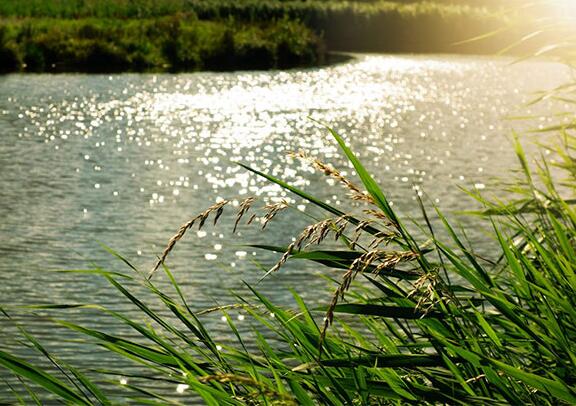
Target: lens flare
(565, 8)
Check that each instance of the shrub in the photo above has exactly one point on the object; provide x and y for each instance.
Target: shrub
(295, 45)
(252, 49)
(101, 57)
(180, 42)
(9, 57)
(34, 57)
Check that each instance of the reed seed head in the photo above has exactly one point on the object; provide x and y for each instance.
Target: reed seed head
(272, 209)
(355, 192)
(245, 205)
(375, 261)
(216, 208)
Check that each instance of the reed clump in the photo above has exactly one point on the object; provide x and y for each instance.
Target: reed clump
(433, 322)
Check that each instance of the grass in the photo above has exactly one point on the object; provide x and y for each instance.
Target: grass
(140, 35)
(433, 322)
(416, 316)
(253, 9)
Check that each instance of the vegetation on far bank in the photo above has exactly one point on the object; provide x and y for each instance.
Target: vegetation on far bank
(74, 35)
(253, 9)
(167, 43)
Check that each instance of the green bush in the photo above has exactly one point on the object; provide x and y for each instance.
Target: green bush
(10, 59)
(294, 43)
(178, 42)
(170, 33)
(255, 49)
(33, 57)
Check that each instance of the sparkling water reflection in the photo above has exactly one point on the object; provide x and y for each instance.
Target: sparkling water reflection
(125, 159)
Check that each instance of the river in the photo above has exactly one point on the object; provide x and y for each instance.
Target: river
(124, 159)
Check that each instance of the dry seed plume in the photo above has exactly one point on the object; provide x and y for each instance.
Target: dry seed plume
(341, 223)
(217, 209)
(313, 234)
(228, 378)
(358, 232)
(262, 389)
(272, 209)
(380, 216)
(225, 307)
(355, 192)
(280, 263)
(376, 261)
(425, 290)
(244, 206)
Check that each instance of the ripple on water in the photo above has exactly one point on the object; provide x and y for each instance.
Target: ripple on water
(125, 159)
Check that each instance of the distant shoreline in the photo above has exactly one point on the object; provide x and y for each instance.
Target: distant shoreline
(231, 36)
(331, 59)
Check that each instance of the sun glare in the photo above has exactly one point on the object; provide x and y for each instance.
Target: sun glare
(565, 8)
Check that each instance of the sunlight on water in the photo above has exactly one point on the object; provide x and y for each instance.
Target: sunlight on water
(125, 159)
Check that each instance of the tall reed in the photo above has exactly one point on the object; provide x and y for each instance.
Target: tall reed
(415, 317)
(438, 323)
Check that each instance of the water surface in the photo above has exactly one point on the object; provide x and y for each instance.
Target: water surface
(123, 160)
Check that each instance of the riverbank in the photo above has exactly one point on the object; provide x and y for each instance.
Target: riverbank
(224, 35)
(173, 43)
